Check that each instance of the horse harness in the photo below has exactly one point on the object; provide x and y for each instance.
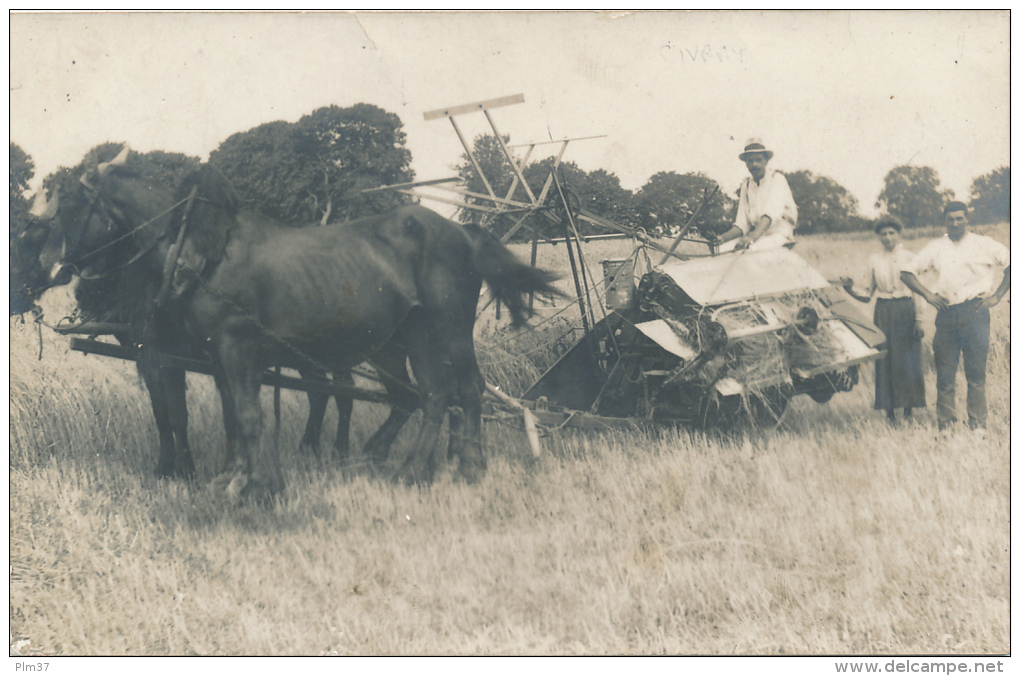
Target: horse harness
(97, 205)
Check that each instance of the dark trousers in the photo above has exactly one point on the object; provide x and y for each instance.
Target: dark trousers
(962, 329)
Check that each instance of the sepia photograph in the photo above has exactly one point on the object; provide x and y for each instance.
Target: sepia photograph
(511, 333)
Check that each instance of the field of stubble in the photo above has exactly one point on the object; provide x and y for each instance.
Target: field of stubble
(832, 534)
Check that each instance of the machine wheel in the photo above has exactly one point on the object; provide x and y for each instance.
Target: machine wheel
(823, 386)
(822, 396)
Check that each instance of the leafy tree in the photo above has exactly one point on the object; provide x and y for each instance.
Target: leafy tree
(989, 197)
(668, 200)
(823, 205)
(267, 171)
(602, 195)
(22, 169)
(914, 195)
(356, 148)
(316, 168)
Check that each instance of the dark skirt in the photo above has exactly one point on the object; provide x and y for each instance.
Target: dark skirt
(899, 382)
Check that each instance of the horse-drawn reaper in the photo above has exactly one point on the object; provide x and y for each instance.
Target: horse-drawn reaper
(199, 284)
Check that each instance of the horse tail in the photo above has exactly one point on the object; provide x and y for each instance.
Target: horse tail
(509, 279)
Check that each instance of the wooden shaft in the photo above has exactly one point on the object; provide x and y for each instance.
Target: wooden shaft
(530, 426)
(93, 329)
(321, 386)
(474, 107)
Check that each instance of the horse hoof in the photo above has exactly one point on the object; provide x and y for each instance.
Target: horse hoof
(350, 468)
(186, 471)
(471, 474)
(228, 483)
(260, 494)
(164, 472)
(408, 477)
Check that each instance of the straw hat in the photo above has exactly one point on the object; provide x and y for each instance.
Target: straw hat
(755, 145)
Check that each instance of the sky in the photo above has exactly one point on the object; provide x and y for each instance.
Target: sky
(848, 95)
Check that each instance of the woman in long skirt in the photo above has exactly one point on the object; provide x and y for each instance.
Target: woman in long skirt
(899, 382)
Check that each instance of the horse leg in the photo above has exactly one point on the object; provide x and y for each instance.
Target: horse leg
(168, 396)
(229, 459)
(392, 367)
(174, 383)
(434, 383)
(466, 417)
(238, 359)
(456, 425)
(466, 440)
(420, 466)
(344, 408)
(169, 408)
(317, 403)
(166, 464)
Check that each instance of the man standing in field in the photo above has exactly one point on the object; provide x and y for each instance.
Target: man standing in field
(766, 212)
(963, 268)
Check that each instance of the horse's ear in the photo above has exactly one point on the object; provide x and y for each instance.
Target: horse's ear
(43, 208)
(120, 160)
(38, 203)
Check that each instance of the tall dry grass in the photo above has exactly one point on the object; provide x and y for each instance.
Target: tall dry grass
(834, 533)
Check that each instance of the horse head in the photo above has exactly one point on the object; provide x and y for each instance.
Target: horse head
(109, 217)
(88, 218)
(213, 213)
(208, 206)
(34, 247)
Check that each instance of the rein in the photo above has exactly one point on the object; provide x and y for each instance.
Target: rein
(76, 264)
(107, 273)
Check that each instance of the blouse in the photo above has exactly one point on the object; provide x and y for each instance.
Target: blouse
(884, 273)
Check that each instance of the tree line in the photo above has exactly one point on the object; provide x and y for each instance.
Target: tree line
(668, 200)
(316, 169)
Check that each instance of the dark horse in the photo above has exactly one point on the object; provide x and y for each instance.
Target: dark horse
(404, 284)
(119, 277)
(118, 284)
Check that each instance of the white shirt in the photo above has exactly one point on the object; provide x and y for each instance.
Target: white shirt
(884, 273)
(771, 197)
(961, 271)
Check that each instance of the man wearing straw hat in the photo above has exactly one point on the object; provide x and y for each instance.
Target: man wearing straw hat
(766, 212)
